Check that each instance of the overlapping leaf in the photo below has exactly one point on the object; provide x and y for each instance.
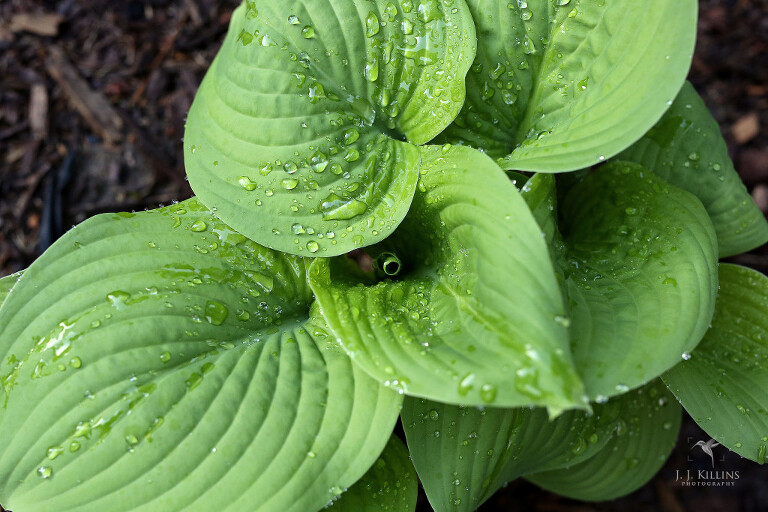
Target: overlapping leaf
(295, 136)
(647, 431)
(390, 485)
(686, 149)
(724, 384)
(464, 454)
(559, 85)
(638, 258)
(160, 360)
(475, 315)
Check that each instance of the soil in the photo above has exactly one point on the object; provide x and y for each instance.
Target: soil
(93, 97)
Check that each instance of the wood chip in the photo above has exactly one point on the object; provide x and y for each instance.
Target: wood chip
(38, 111)
(746, 128)
(92, 105)
(42, 24)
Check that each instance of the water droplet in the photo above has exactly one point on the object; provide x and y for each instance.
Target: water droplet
(44, 472)
(488, 393)
(199, 226)
(75, 362)
(293, 19)
(350, 137)
(55, 451)
(686, 356)
(563, 321)
(371, 70)
(762, 451)
(246, 183)
(434, 415)
(352, 155)
(466, 384)
(316, 92)
(312, 246)
(165, 357)
(215, 312)
(308, 32)
(290, 183)
(372, 26)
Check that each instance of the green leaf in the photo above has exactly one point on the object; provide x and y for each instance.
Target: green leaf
(686, 149)
(724, 383)
(6, 285)
(390, 485)
(475, 315)
(158, 360)
(647, 432)
(560, 85)
(296, 134)
(464, 454)
(640, 268)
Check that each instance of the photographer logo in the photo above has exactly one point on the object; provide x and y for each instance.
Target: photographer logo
(704, 477)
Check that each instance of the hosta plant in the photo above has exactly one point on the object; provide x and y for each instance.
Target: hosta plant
(499, 222)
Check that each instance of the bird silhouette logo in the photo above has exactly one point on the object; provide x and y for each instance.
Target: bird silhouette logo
(707, 448)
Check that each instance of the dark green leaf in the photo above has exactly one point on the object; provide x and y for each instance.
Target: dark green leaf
(686, 149)
(724, 384)
(390, 485)
(647, 431)
(640, 269)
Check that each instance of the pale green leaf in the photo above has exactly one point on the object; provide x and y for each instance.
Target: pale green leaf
(640, 268)
(647, 431)
(686, 149)
(162, 361)
(6, 285)
(464, 454)
(559, 85)
(724, 384)
(390, 485)
(475, 315)
(296, 134)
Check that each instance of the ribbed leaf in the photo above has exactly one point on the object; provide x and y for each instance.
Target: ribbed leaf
(464, 454)
(724, 384)
(649, 425)
(686, 149)
(160, 361)
(390, 485)
(559, 85)
(296, 134)
(475, 315)
(640, 268)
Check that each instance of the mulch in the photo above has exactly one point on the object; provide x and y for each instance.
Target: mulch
(93, 97)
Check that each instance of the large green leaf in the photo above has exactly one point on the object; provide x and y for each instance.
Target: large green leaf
(6, 285)
(475, 315)
(559, 85)
(686, 149)
(647, 431)
(160, 360)
(390, 485)
(724, 384)
(464, 454)
(296, 134)
(640, 266)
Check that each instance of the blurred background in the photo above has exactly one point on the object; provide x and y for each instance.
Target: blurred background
(93, 97)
